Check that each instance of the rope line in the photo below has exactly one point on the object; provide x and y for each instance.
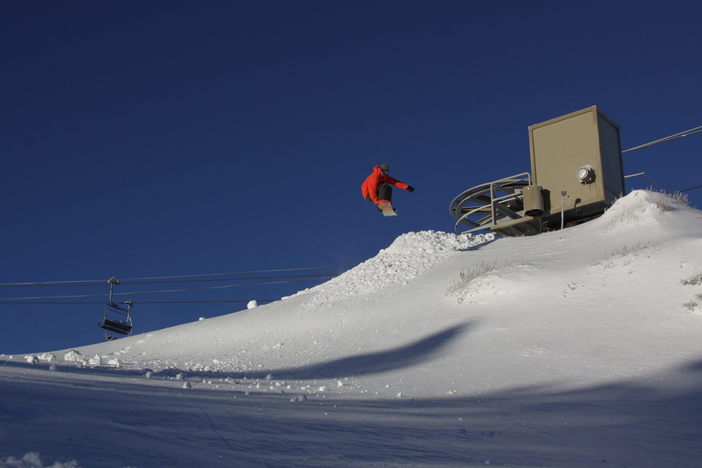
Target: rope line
(675, 136)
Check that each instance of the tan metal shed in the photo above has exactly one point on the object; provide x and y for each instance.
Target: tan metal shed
(579, 154)
(576, 173)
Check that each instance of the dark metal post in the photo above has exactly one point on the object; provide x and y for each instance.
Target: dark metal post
(112, 282)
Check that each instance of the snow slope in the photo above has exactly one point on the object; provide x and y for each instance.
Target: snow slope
(571, 348)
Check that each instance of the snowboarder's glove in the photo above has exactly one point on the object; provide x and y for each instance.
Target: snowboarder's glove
(410, 189)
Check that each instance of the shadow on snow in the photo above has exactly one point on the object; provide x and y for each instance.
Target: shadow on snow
(625, 424)
(364, 364)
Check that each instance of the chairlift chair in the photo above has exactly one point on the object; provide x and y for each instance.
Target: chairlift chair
(117, 319)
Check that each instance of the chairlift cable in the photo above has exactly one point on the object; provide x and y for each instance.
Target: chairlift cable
(33, 298)
(275, 270)
(102, 283)
(223, 286)
(54, 283)
(653, 181)
(158, 291)
(675, 136)
(246, 278)
(214, 301)
(689, 188)
(205, 275)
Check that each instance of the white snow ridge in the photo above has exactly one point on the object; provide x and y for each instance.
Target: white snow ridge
(574, 348)
(410, 255)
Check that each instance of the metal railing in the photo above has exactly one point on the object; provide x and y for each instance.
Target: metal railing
(485, 205)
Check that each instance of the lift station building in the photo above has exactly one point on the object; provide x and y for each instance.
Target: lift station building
(576, 174)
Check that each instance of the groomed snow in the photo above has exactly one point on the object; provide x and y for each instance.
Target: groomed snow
(459, 350)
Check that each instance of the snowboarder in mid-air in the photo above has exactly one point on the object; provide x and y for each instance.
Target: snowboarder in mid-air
(377, 189)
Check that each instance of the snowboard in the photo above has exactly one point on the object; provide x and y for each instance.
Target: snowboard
(386, 208)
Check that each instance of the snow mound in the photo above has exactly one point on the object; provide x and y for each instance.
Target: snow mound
(640, 207)
(410, 255)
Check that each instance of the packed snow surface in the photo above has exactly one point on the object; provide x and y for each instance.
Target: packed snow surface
(578, 347)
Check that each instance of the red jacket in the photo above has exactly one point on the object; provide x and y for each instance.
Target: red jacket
(369, 189)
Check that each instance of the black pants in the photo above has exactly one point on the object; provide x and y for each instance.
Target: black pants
(385, 192)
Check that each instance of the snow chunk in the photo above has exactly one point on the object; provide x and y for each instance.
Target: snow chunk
(111, 361)
(73, 356)
(107, 361)
(47, 357)
(95, 361)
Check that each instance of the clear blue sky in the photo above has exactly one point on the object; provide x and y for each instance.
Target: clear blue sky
(169, 137)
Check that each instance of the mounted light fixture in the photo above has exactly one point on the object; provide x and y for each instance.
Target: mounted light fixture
(586, 174)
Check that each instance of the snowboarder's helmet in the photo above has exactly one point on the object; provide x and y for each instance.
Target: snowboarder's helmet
(385, 168)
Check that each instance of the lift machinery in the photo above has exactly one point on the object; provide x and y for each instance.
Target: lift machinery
(576, 174)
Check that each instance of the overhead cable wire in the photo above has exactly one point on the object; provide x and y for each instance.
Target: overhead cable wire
(689, 188)
(204, 275)
(244, 278)
(214, 301)
(275, 270)
(158, 291)
(650, 179)
(675, 136)
(54, 283)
